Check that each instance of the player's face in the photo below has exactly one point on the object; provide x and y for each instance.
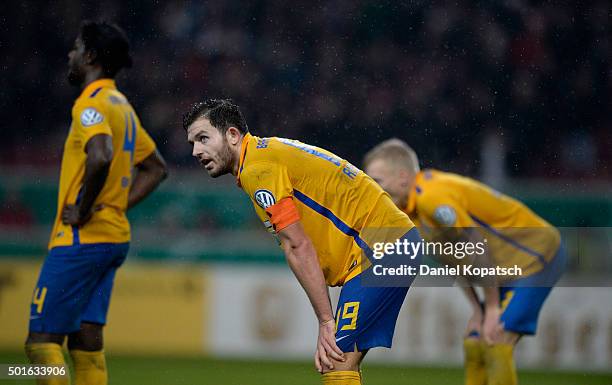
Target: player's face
(390, 178)
(76, 63)
(210, 148)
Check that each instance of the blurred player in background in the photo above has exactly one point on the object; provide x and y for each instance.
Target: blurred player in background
(317, 205)
(109, 165)
(515, 235)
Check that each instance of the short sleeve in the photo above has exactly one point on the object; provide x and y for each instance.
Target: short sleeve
(271, 192)
(144, 145)
(90, 120)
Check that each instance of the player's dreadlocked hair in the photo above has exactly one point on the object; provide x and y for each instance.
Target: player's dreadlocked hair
(221, 113)
(109, 44)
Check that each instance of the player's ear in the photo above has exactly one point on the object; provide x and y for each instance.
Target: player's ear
(233, 135)
(89, 57)
(404, 177)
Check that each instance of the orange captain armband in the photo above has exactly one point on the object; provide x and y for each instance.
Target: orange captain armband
(283, 213)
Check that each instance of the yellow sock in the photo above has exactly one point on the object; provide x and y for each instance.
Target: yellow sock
(342, 378)
(89, 367)
(500, 365)
(47, 353)
(474, 360)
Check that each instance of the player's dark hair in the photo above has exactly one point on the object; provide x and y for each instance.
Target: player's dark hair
(108, 43)
(222, 114)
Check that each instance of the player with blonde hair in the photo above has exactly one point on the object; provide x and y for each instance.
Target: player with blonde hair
(450, 205)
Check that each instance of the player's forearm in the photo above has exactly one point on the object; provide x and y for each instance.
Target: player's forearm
(144, 183)
(147, 176)
(96, 172)
(491, 294)
(489, 284)
(302, 260)
(472, 296)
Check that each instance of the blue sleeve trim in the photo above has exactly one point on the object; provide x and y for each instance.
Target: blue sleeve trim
(93, 94)
(324, 211)
(508, 239)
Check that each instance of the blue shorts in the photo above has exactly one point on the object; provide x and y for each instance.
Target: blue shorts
(75, 286)
(521, 304)
(366, 315)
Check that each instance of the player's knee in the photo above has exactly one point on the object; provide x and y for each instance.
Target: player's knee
(473, 348)
(351, 363)
(341, 367)
(35, 338)
(88, 338)
(509, 338)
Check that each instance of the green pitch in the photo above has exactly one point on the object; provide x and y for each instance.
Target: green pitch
(176, 371)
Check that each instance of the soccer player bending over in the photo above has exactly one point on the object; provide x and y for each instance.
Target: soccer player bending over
(318, 206)
(109, 164)
(451, 204)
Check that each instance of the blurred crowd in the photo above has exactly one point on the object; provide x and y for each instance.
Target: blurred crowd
(527, 83)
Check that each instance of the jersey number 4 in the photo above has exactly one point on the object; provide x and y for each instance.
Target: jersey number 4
(38, 299)
(129, 141)
(129, 145)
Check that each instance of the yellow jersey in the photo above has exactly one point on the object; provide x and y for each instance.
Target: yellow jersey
(336, 202)
(515, 235)
(100, 109)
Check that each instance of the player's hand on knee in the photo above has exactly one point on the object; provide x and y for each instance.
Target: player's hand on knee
(492, 328)
(327, 348)
(317, 360)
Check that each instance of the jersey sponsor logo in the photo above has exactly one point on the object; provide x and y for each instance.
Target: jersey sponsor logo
(445, 215)
(264, 198)
(91, 116)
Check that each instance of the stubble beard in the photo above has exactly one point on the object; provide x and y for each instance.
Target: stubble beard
(226, 160)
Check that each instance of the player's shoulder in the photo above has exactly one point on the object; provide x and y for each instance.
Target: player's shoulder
(106, 97)
(88, 111)
(438, 191)
(264, 149)
(100, 97)
(283, 152)
(257, 158)
(257, 169)
(432, 183)
(256, 173)
(89, 104)
(437, 177)
(92, 105)
(469, 187)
